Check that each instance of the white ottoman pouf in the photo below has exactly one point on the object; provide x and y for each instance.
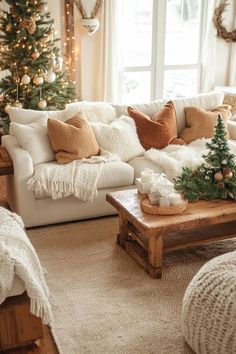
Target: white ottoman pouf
(209, 307)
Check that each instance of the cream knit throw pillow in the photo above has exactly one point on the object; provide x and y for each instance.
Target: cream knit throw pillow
(209, 307)
(201, 123)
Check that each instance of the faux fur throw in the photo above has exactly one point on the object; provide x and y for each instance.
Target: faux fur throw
(174, 157)
(78, 178)
(18, 257)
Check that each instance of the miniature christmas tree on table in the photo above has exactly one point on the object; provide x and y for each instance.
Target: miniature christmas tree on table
(34, 76)
(216, 177)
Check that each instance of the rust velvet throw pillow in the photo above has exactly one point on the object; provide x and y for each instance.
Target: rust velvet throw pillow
(73, 139)
(159, 131)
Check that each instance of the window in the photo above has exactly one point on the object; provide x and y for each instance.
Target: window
(161, 42)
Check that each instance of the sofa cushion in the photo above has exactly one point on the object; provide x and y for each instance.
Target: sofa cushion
(140, 163)
(200, 123)
(148, 108)
(113, 175)
(94, 111)
(33, 138)
(206, 101)
(120, 137)
(26, 116)
(158, 132)
(73, 139)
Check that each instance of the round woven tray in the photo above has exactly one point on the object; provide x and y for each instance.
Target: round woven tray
(161, 210)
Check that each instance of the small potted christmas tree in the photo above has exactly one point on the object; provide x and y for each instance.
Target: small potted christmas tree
(216, 177)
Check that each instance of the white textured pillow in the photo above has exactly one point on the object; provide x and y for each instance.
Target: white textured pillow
(33, 138)
(26, 116)
(119, 137)
(94, 111)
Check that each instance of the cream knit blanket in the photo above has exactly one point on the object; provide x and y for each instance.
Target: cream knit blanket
(18, 257)
(173, 158)
(78, 178)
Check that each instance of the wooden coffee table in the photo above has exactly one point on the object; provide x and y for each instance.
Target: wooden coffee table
(144, 237)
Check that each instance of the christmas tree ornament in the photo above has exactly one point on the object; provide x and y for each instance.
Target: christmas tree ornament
(227, 173)
(6, 109)
(32, 27)
(224, 162)
(25, 79)
(42, 8)
(50, 77)
(8, 27)
(16, 104)
(45, 39)
(35, 55)
(38, 80)
(218, 176)
(42, 104)
(221, 185)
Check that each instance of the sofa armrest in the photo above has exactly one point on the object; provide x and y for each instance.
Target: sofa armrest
(22, 161)
(20, 199)
(231, 125)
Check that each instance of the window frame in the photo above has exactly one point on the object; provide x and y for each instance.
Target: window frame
(157, 68)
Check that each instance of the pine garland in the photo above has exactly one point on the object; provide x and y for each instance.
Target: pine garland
(216, 177)
(31, 59)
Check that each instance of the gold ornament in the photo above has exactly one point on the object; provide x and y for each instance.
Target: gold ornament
(35, 55)
(16, 104)
(227, 173)
(6, 109)
(42, 7)
(25, 79)
(42, 104)
(32, 27)
(218, 176)
(8, 27)
(29, 25)
(45, 39)
(38, 80)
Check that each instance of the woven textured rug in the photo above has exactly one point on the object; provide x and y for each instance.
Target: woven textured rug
(103, 302)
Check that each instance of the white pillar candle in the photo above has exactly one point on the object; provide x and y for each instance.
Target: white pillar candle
(175, 199)
(146, 176)
(163, 201)
(153, 200)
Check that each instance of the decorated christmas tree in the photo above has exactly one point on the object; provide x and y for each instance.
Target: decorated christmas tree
(31, 60)
(216, 177)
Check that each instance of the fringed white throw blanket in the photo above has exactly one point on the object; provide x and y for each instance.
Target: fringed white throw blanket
(78, 178)
(18, 257)
(173, 158)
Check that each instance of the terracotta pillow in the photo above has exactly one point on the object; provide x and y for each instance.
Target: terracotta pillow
(200, 123)
(158, 132)
(72, 139)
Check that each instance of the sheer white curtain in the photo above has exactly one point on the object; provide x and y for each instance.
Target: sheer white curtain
(109, 70)
(232, 65)
(208, 52)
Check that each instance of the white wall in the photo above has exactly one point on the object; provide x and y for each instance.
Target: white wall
(223, 48)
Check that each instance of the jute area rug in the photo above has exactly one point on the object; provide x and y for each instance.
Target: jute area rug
(103, 302)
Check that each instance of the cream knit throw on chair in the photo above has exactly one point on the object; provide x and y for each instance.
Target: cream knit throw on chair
(209, 307)
(18, 257)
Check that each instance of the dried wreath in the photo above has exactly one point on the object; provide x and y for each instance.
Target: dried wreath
(218, 21)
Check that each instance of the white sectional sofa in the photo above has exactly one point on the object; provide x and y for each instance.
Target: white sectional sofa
(114, 176)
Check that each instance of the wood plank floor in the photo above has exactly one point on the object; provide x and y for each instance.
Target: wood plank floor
(47, 344)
